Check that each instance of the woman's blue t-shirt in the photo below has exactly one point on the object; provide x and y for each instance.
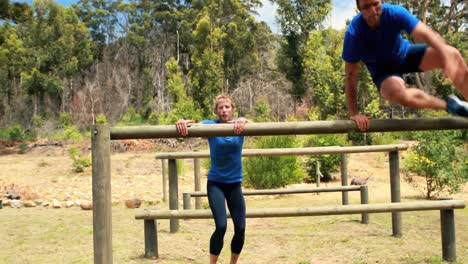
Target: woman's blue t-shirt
(382, 46)
(226, 157)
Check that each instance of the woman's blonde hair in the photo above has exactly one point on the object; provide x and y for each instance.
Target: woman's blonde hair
(226, 97)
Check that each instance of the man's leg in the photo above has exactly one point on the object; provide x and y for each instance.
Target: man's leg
(393, 89)
(432, 59)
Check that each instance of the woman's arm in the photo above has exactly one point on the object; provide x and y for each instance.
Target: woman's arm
(239, 124)
(182, 126)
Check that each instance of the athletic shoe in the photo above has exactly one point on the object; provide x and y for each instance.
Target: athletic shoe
(456, 106)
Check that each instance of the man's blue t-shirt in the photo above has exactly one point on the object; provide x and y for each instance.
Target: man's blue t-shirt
(226, 157)
(383, 46)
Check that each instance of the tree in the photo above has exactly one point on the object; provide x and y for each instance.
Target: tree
(206, 75)
(441, 159)
(57, 48)
(182, 105)
(297, 20)
(324, 70)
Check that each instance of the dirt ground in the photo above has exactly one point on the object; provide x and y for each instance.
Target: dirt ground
(46, 173)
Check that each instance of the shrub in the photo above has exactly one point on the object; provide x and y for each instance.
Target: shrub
(101, 119)
(328, 163)
(80, 162)
(273, 172)
(69, 133)
(65, 119)
(131, 118)
(23, 148)
(38, 121)
(16, 133)
(441, 159)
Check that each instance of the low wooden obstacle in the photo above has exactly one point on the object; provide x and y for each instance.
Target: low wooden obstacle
(392, 149)
(101, 136)
(364, 195)
(447, 219)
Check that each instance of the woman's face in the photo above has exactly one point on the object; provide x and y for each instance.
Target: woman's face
(224, 110)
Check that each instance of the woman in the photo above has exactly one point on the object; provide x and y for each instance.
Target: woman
(224, 178)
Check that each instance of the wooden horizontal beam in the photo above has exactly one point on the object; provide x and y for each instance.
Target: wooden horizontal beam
(288, 191)
(288, 151)
(291, 128)
(148, 214)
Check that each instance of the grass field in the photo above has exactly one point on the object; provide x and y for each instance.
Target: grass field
(46, 235)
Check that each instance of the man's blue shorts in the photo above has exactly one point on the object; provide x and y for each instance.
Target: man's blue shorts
(410, 64)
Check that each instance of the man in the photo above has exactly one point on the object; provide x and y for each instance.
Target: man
(374, 37)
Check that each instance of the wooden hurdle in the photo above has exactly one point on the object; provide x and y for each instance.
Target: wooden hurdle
(101, 135)
(392, 149)
(364, 195)
(447, 219)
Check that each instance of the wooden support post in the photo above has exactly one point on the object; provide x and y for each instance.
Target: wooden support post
(364, 200)
(164, 179)
(196, 168)
(151, 239)
(344, 178)
(395, 191)
(187, 201)
(173, 193)
(447, 228)
(102, 199)
(318, 174)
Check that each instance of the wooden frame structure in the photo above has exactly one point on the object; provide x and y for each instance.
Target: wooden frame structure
(392, 149)
(103, 134)
(447, 218)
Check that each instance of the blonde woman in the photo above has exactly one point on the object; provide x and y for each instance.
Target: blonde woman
(224, 178)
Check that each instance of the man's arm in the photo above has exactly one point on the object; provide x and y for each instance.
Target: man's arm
(351, 83)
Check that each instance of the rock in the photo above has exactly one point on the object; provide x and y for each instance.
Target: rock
(69, 204)
(39, 201)
(133, 203)
(86, 205)
(56, 204)
(12, 195)
(29, 204)
(45, 203)
(357, 181)
(16, 203)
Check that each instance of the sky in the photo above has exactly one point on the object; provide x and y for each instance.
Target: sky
(342, 10)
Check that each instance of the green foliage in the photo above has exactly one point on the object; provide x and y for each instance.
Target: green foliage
(262, 110)
(273, 172)
(328, 163)
(441, 159)
(206, 75)
(80, 162)
(131, 118)
(297, 19)
(153, 119)
(206, 164)
(16, 133)
(65, 119)
(182, 105)
(38, 121)
(180, 163)
(101, 119)
(69, 134)
(324, 69)
(23, 148)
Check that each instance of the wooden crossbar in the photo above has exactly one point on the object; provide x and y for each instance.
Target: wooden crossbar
(288, 151)
(287, 191)
(447, 218)
(308, 211)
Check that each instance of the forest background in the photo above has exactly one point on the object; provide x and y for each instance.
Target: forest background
(153, 62)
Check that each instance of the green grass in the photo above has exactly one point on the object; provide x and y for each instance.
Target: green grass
(41, 235)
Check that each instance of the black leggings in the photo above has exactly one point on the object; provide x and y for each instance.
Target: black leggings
(232, 194)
